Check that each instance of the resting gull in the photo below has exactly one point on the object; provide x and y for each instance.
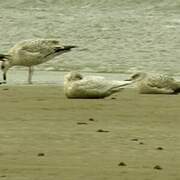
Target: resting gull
(155, 83)
(77, 86)
(30, 53)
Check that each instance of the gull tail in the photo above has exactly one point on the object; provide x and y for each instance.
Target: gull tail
(177, 89)
(118, 88)
(64, 48)
(3, 57)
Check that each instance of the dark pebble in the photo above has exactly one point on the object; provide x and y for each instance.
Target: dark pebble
(134, 139)
(101, 130)
(81, 123)
(141, 143)
(122, 164)
(40, 99)
(91, 119)
(157, 167)
(5, 89)
(113, 98)
(159, 148)
(41, 154)
(3, 176)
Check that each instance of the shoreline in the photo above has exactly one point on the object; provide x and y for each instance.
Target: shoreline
(19, 77)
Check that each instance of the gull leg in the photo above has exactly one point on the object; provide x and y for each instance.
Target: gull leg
(30, 74)
(4, 77)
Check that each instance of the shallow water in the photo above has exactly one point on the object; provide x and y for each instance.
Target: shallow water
(113, 36)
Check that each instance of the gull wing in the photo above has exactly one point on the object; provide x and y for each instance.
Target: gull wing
(35, 48)
(156, 90)
(99, 85)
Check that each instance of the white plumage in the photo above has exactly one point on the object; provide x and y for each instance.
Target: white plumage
(155, 83)
(77, 86)
(32, 52)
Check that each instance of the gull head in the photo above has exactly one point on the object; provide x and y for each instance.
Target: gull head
(73, 76)
(137, 76)
(5, 63)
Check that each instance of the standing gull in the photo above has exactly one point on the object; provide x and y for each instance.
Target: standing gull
(77, 86)
(30, 53)
(155, 83)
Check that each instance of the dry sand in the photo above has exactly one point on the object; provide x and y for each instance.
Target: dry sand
(45, 136)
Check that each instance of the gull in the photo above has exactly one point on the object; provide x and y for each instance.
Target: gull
(30, 53)
(155, 83)
(77, 86)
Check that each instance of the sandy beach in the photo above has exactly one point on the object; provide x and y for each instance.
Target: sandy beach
(46, 136)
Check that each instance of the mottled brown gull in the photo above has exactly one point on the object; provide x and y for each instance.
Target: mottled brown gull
(148, 83)
(30, 53)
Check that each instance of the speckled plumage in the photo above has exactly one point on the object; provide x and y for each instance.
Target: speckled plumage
(155, 83)
(33, 52)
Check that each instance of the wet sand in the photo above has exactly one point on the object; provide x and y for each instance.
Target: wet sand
(44, 135)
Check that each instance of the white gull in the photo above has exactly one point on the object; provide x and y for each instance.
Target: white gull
(77, 86)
